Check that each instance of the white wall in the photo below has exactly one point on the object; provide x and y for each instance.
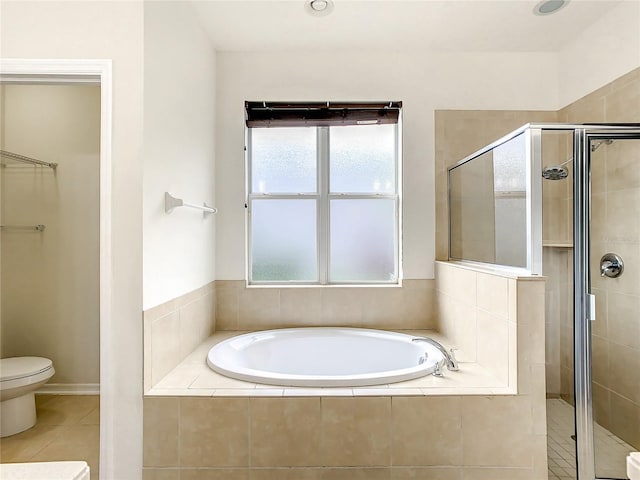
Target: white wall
(112, 30)
(179, 152)
(50, 294)
(424, 82)
(606, 50)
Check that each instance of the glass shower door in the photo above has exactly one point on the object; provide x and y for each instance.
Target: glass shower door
(615, 334)
(614, 277)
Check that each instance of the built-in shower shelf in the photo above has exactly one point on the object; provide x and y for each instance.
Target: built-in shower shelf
(558, 244)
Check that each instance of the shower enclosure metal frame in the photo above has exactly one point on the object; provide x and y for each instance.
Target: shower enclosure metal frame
(584, 303)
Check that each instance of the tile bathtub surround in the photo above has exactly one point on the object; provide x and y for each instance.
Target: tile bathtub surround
(192, 377)
(488, 315)
(174, 329)
(347, 437)
(427, 428)
(408, 307)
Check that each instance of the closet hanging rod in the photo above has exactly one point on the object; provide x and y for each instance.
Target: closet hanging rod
(170, 202)
(39, 227)
(22, 158)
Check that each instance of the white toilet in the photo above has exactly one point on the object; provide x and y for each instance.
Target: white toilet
(20, 377)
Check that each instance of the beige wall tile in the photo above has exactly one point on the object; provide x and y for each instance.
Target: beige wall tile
(285, 473)
(227, 304)
(500, 474)
(465, 317)
(622, 309)
(214, 432)
(493, 294)
(540, 460)
(418, 304)
(197, 323)
(600, 361)
(368, 440)
(513, 300)
(465, 284)
(215, 474)
(259, 308)
(426, 473)
(601, 405)
(623, 205)
(624, 368)
(354, 473)
(496, 431)
(285, 432)
(383, 308)
(493, 344)
(160, 474)
(625, 420)
(444, 277)
(538, 398)
(417, 420)
(165, 346)
(158, 311)
(301, 306)
(623, 104)
(513, 354)
(590, 108)
(341, 306)
(160, 432)
(622, 165)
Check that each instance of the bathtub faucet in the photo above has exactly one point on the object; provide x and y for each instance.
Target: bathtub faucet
(449, 356)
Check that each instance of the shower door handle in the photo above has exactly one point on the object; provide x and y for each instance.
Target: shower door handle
(611, 265)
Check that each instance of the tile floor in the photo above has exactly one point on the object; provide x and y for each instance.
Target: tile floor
(610, 451)
(68, 428)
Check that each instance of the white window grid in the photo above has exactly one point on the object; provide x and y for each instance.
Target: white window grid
(323, 197)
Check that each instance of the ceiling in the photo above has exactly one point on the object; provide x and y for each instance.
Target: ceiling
(396, 25)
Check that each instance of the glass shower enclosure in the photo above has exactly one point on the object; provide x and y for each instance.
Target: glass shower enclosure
(517, 204)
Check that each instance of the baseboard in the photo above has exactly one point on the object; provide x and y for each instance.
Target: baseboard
(69, 389)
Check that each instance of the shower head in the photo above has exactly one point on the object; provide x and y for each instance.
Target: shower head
(556, 172)
(559, 172)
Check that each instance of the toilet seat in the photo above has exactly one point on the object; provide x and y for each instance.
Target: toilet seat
(19, 371)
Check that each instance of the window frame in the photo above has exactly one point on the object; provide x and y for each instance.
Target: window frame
(323, 197)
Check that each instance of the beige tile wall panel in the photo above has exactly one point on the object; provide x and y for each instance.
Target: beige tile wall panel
(367, 439)
(174, 329)
(286, 432)
(214, 432)
(161, 432)
(434, 424)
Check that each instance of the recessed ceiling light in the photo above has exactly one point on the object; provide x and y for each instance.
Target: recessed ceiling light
(547, 7)
(319, 8)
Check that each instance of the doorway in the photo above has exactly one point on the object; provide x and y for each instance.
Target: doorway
(88, 72)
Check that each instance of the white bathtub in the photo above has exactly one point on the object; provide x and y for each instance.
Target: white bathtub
(323, 357)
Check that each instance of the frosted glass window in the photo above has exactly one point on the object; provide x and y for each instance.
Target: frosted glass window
(363, 240)
(363, 159)
(284, 241)
(283, 160)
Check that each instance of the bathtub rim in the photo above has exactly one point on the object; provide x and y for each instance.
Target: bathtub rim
(263, 377)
